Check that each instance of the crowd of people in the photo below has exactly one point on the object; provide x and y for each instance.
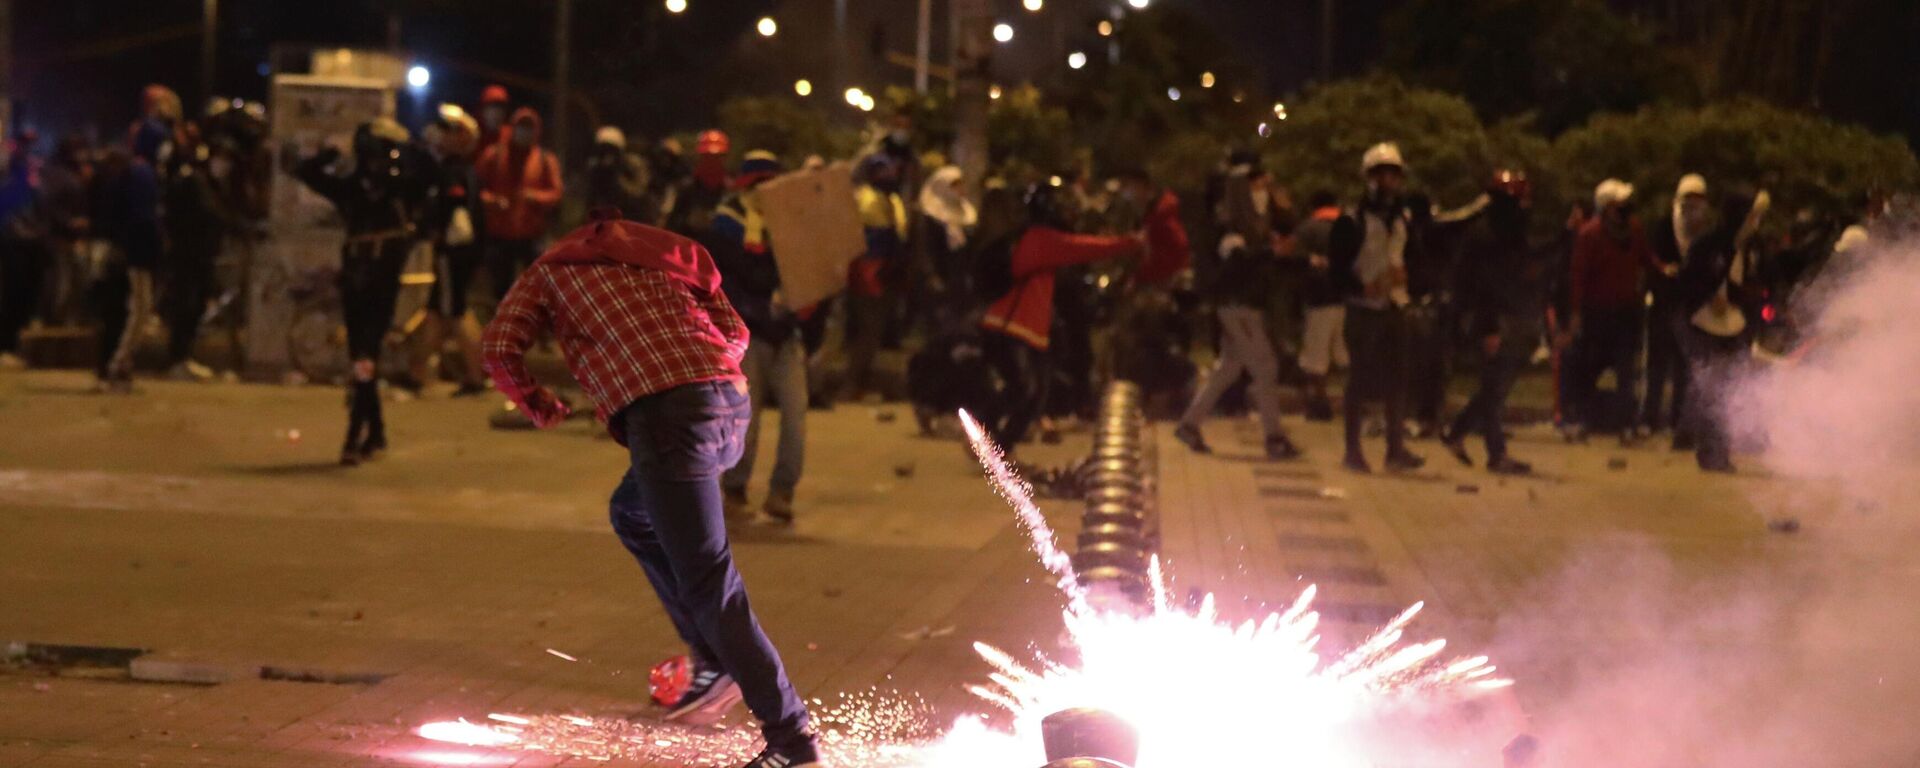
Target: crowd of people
(1016, 306)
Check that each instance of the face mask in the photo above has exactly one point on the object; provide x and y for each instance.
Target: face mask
(522, 136)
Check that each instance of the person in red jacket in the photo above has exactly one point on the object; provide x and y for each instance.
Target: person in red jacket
(1168, 250)
(1609, 258)
(649, 334)
(519, 187)
(1018, 325)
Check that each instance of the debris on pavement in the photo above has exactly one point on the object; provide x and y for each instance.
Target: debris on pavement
(1331, 492)
(561, 655)
(1784, 525)
(1617, 463)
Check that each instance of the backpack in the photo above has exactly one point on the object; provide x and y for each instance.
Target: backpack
(993, 269)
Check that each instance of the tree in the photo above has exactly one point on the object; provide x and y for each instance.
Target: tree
(784, 127)
(1805, 161)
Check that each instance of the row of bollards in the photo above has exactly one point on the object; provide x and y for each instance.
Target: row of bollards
(1119, 530)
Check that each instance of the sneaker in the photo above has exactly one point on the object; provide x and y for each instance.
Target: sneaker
(1508, 465)
(807, 756)
(1457, 445)
(779, 507)
(188, 370)
(1279, 448)
(1404, 461)
(12, 362)
(1356, 463)
(1189, 435)
(708, 697)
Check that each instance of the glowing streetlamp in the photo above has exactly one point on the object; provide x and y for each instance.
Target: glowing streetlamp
(1105, 29)
(803, 86)
(1206, 79)
(866, 102)
(1138, 4)
(993, 92)
(1076, 60)
(418, 77)
(1033, 5)
(676, 7)
(767, 26)
(854, 96)
(1279, 110)
(1003, 32)
(1173, 93)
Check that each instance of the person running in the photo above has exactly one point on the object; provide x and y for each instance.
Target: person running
(647, 331)
(1369, 247)
(1505, 295)
(378, 200)
(776, 361)
(1240, 290)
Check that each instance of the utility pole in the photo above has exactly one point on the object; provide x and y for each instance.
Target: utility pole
(562, 47)
(923, 47)
(1326, 40)
(6, 67)
(209, 39)
(840, 80)
(972, 76)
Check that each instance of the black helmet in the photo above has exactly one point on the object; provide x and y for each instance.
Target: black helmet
(1047, 204)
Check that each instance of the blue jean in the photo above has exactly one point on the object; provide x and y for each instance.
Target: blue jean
(776, 371)
(667, 511)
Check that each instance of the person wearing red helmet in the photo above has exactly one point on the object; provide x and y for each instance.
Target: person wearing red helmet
(699, 194)
(494, 108)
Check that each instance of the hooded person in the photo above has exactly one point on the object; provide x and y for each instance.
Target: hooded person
(1717, 292)
(1691, 219)
(379, 200)
(520, 185)
(130, 220)
(617, 177)
(1610, 257)
(950, 219)
(495, 108)
(1369, 249)
(648, 332)
(1505, 295)
(776, 361)
(1018, 325)
(1241, 289)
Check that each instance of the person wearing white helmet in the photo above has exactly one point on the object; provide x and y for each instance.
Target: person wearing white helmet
(1666, 364)
(617, 178)
(1368, 254)
(1610, 258)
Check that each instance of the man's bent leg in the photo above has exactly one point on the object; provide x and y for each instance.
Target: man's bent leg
(680, 440)
(633, 523)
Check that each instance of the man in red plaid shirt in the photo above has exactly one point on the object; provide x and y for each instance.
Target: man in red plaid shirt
(650, 336)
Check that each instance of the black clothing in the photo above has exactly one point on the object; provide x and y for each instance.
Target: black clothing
(196, 225)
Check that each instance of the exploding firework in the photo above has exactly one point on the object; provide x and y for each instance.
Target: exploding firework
(1200, 690)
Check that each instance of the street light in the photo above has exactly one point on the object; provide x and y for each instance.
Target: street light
(1264, 130)
(854, 96)
(1280, 110)
(1206, 79)
(1076, 60)
(1034, 5)
(866, 103)
(803, 86)
(1138, 4)
(1003, 32)
(1173, 93)
(767, 26)
(993, 92)
(1105, 29)
(676, 7)
(418, 77)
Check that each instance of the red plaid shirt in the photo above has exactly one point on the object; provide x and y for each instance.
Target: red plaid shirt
(627, 332)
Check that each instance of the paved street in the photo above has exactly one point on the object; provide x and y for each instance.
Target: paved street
(1625, 591)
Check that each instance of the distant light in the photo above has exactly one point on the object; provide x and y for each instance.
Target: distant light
(803, 86)
(1076, 60)
(1173, 93)
(993, 92)
(1264, 130)
(1054, 181)
(1280, 110)
(263, 70)
(767, 26)
(854, 95)
(676, 6)
(1105, 28)
(1003, 32)
(866, 103)
(1206, 79)
(1137, 4)
(1239, 96)
(418, 76)
(1033, 5)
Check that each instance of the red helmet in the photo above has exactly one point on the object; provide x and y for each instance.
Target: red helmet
(711, 143)
(494, 94)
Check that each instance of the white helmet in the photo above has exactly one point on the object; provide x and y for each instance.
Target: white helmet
(1611, 192)
(612, 135)
(1383, 154)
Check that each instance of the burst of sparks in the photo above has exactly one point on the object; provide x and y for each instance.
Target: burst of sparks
(1200, 689)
